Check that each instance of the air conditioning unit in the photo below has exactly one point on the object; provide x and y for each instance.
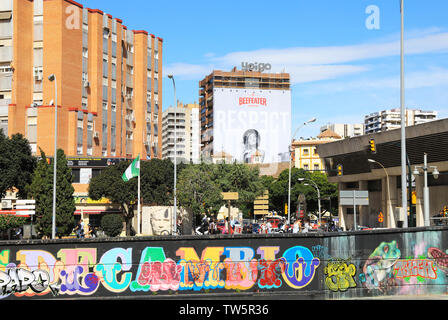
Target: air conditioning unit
(96, 134)
(86, 84)
(6, 204)
(38, 77)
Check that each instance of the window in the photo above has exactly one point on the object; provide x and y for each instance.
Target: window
(305, 152)
(316, 167)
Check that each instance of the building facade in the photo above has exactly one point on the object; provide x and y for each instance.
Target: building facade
(379, 173)
(344, 130)
(245, 114)
(304, 151)
(108, 79)
(187, 133)
(391, 119)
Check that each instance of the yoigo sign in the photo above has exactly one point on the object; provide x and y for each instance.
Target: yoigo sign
(260, 67)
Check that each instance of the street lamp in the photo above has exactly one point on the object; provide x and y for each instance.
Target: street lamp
(170, 76)
(435, 174)
(389, 209)
(404, 204)
(52, 78)
(318, 194)
(290, 159)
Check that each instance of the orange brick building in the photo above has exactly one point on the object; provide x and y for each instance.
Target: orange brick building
(109, 80)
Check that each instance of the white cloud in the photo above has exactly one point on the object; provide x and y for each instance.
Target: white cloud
(308, 64)
(431, 77)
(187, 71)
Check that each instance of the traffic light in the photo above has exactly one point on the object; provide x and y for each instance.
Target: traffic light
(286, 208)
(372, 146)
(339, 168)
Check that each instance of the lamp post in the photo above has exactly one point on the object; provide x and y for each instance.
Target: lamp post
(435, 174)
(170, 76)
(52, 78)
(389, 209)
(318, 195)
(290, 159)
(404, 203)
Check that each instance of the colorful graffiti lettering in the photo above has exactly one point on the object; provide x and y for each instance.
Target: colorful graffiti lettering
(300, 266)
(18, 280)
(421, 268)
(85, 272)
(340, 275)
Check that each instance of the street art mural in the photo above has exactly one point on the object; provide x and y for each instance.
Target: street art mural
(138, 268)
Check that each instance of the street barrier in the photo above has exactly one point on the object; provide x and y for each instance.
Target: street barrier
(337, 265)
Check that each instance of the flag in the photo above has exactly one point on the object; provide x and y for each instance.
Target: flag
(133, 170)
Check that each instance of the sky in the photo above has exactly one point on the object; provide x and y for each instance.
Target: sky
(343, 56)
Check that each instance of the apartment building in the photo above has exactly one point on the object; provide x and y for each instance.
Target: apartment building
(245, 115)
(304, 151)
(108, 80)
(185, 118)
(391, 119)
(344, 130)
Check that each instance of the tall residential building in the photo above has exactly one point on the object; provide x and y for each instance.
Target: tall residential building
(304, 151)
(187, 133)
(344, 130)
(245, 115)
(109, 80)
(391, 119)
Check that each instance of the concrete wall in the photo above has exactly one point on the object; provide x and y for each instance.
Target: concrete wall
(305, 266)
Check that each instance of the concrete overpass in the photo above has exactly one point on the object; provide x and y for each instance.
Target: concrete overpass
(360, 174)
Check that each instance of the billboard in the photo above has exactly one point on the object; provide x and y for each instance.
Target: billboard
(252, 125)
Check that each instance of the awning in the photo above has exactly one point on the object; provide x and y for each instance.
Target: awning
(93, 211)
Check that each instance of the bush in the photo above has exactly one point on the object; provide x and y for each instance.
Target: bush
(112, 224)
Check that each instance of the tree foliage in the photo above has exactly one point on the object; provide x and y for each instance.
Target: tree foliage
(156, 187)
(10, 221)
(41, 189)
(17, 164)
(112, 224)
(278, 190)
(200, 186)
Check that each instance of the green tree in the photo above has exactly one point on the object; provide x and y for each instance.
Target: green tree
(17, 164)
(41, 189)
(109, 184)
(112, 224)
(197, 192)
(156, 187)
(157, 182)
(241, 178)
(10, 221)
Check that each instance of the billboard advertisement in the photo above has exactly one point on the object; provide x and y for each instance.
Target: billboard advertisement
(253, 126)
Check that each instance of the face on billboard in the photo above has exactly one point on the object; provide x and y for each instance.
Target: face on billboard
(253, 126)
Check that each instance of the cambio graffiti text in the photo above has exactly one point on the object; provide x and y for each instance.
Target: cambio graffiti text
(77, 271)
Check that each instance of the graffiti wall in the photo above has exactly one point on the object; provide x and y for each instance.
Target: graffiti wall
(335, 266)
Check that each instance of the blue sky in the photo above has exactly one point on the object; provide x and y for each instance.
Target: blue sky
(340, 69)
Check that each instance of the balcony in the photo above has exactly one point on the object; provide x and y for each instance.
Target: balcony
(5, 81)
(6, 54)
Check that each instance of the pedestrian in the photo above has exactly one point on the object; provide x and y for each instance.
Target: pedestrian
(306, 225)
(91, 232)
(212, 226)
(296, 227)
(269, 227)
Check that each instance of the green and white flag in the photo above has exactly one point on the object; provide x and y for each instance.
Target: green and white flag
(133, 170)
